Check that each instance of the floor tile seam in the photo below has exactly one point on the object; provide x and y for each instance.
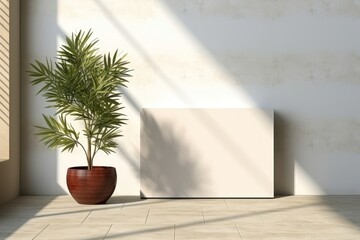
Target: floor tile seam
(40, 231)
(237, 229)
(202, 213)
(227, 207)
(174, 231)
(147, 216)
(86, 217)
(107, 232)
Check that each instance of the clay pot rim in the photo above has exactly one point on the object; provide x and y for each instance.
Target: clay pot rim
(94, 168)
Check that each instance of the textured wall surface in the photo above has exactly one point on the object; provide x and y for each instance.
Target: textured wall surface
(299, 58)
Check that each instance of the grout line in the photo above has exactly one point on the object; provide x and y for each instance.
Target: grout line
(226, 204)
(41, 231)
(238, 231)
(202, 212)
(107, 231)
(86, 217)
(174, 230)
(147, 216)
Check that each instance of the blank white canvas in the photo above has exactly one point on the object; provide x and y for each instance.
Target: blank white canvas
(204, 153)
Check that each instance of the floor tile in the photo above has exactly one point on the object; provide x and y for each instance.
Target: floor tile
(273, 231)
(256, 204)
(129, 217)
(186, 204)
(272, 204)
(272, 235)
(118, 216)
(73, 231)
(331, 216)
(206, 231)
(141, 232)
(148, 204)
(61, 203)
(20, 231)
(184, 217)
(48, 216)
(284, 217)
(322, 230)
(231, 216)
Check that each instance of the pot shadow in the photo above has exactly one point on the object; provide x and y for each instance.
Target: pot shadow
(124, 198)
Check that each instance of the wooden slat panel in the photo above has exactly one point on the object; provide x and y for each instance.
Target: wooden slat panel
(4, 80)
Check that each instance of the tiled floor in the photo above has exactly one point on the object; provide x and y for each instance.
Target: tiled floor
(294, 217)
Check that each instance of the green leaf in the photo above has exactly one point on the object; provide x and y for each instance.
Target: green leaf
(82, 85)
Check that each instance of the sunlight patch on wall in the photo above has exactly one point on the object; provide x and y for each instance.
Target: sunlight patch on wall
(175, 65)
(304, 183)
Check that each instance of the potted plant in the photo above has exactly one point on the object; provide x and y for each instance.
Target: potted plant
(83, 86)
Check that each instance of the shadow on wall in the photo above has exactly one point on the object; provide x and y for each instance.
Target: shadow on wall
(38, 164)
(262, 47)
(7, 182)
(283, 162)
(172, 172)
(284, 172)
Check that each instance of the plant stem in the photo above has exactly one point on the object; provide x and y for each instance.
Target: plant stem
(88, 153)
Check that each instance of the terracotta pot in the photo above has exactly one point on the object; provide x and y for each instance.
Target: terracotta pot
(91, 186)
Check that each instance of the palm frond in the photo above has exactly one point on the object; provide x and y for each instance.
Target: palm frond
(84, 85)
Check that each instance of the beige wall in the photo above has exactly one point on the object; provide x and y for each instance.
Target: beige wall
(10, 100)
(300, 58)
